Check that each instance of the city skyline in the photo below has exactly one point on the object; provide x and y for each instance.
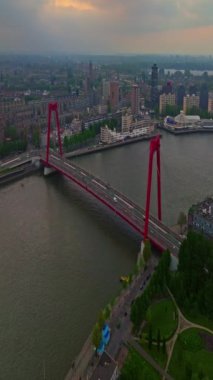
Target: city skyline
(110, 27)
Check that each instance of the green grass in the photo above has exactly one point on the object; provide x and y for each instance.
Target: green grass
(137, 368)
(161, 316)
(196, 317)
(159, 356)
(190, 359)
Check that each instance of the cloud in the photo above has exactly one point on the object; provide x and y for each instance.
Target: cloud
(102, 25)
(75, 5)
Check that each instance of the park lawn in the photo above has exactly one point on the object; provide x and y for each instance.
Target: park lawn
(161, 316)
(198, 318)
(137, 368)
(158, 355)
(190, 358)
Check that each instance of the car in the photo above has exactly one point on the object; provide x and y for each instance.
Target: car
(115, 199)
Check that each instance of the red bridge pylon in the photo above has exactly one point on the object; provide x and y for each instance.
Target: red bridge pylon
(154, 147)
(53, 107)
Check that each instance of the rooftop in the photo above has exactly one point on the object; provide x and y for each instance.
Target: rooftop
(105, 368)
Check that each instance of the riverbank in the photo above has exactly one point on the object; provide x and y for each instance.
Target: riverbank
(100, 148)
(17, 174)
(187, 131)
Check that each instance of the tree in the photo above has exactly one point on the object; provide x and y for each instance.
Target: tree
(158, 340)
(101, 319)
(188, 371)
(11, 132)
(107, 311)
(201, 374)
(147, 252)
(150, 337)
(164, 345)
(135, 315)
(36, 138)
(182, 220)
(96, 336)
(170, 110)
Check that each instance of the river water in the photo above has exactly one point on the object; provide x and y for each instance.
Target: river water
(61, 254)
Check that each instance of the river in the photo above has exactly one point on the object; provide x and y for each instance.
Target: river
(62, 254)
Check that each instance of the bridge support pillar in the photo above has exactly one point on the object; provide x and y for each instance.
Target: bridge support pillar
(36, 162)
(174, 263)
(48, 171)
(140, 254)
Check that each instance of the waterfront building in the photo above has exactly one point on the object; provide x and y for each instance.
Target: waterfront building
(200, 217)
(142, 128)
(166, 100)
(182, 121)
(108, 136)
(76, 125)
(139, 128)
(126, 123)
(135, 97)
(190, 102)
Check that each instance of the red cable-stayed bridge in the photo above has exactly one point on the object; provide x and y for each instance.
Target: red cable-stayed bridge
(136, 217)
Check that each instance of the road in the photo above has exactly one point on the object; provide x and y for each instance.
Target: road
(160, 235)
(19, 159)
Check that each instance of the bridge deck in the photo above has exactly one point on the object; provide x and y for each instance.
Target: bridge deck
(159, 234)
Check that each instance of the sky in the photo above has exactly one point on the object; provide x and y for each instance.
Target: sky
(107, 26)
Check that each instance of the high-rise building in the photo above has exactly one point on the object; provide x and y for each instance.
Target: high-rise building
(105, 90)
(190, 101)
(114, 95)
(180, 95)
(154, 86)
(167, 89)
(135, 98)
(90, 71)
(193, 89)
(166, 100)
(154, 76)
